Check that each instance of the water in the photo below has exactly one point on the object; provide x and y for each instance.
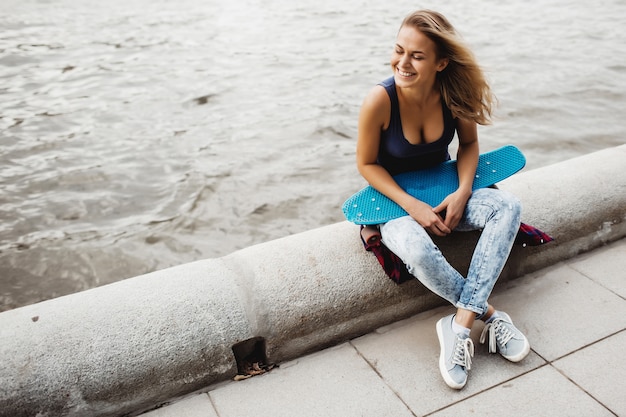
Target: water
(137, 135)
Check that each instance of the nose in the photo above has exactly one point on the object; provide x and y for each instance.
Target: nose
(405, 59)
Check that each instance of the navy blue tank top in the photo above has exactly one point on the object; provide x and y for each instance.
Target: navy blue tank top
(398, 155)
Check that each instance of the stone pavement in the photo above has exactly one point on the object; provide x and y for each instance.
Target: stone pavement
(573, 313)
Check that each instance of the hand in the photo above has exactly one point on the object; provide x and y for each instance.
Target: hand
(428, 218)
(453, 206)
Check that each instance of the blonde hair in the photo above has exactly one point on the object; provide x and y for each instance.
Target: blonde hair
(463, 85)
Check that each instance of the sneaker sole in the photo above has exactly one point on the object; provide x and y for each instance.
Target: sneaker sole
(442, 361)
(524, 352)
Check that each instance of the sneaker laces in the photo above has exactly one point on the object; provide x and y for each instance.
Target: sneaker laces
(463, 352)
(499, 332)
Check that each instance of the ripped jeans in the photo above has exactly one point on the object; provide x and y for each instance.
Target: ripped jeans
(494, 211)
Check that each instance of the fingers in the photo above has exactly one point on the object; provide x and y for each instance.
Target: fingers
(451, 210)
(452, 220)
(439, 228)
(441, 207)
(430, 219)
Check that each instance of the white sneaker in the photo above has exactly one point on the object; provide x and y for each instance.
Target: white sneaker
(505, 338)
(456, 354)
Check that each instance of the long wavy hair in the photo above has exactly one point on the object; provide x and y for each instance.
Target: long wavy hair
(463, 85)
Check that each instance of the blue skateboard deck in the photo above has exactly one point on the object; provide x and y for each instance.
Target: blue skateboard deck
(431, 186)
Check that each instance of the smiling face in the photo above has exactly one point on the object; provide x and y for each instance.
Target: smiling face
(414, 60)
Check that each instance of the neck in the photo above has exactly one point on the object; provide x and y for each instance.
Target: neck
(420, 95)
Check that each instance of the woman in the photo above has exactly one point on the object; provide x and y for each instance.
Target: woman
(406, 123)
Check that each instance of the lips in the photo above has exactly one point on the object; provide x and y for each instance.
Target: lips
(405, 74)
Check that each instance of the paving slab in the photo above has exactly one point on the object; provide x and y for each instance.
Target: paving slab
(599, 370)
(606, 266)
(560, 310)
(572, 314)
(198, 405)
(406, 356)
(543, 392)
(334, 382)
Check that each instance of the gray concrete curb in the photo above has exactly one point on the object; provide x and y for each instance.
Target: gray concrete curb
(123, 347)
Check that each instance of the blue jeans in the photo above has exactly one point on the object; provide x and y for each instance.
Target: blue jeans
(497, 213)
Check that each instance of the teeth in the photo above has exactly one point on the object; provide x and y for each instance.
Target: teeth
(404, 74)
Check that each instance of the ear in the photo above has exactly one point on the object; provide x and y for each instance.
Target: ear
(443, 63)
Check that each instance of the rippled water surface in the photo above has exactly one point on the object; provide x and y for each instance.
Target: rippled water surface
(137, 135)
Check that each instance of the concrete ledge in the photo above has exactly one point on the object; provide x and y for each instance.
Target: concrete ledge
(127, 346)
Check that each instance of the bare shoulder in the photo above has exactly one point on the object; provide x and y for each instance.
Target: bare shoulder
(377, 98)
(376, 107)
